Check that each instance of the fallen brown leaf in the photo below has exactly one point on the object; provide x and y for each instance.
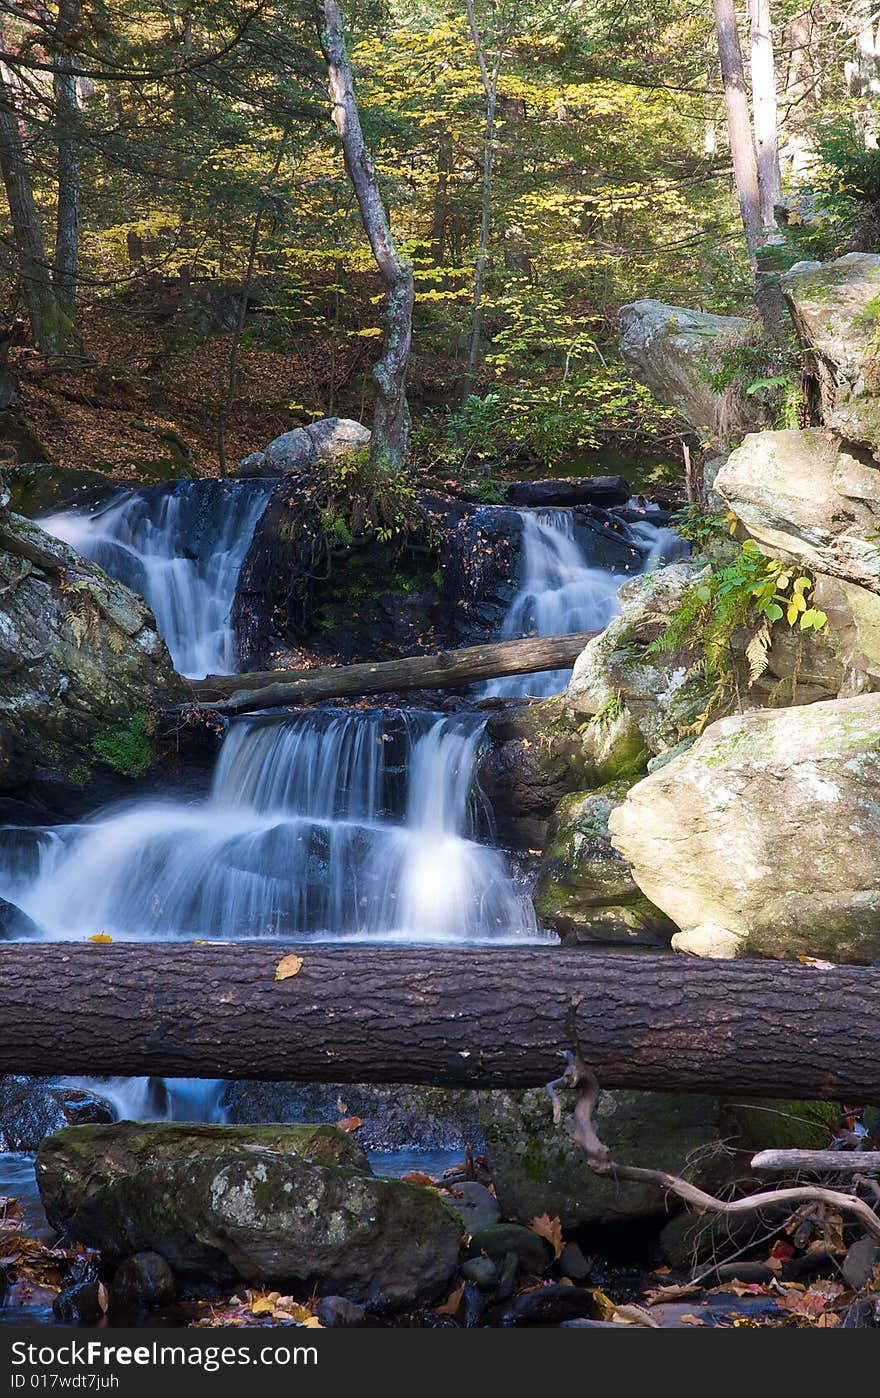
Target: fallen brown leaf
(288, 966)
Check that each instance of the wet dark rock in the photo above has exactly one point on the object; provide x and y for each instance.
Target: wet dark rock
(482, 1271)
(39, 488)
(475, 1203)
(73, 1164)
(550, 1305)
(593, 490)
(502, 1239)
(142, 1282)
(337, 1312)
(79, 1303)
(575, 1263)
(394, 1118)
(30, 1111)
(14, 923)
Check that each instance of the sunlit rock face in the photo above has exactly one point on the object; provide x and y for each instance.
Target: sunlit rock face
(762, 838)
(673, 352)
(835, 307)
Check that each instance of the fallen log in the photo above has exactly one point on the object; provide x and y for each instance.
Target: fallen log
(470, 1017)
(817, 1162)
(235, 694)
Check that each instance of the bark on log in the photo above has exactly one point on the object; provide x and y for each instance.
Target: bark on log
(817, 1162)
(458, 1018)
(236, 694)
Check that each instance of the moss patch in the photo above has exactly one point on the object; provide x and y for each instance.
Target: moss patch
(127, 747)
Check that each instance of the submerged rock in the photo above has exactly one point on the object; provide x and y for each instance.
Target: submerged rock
(762, 838)
(574, 490)
(279, 1219)
(73, 1164)
(585, 889)
(81, 665)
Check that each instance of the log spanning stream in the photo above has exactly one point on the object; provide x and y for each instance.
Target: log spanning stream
(327, 825)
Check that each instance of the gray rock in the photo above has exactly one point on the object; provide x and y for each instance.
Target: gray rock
(337, 1312)
(482, 1271)
(673, 351)
(502, 1240)
(328, 439)
(142, 1282)
(475, 1203)
(550, 1305)
(80, 659)
(834, 306)
(585, 889)
(575, 1263)
(73, 1164)
(15, 924)
(31, 1111)
(80, 1303)
(268, 1218)
(721, 837)
(858, 1265)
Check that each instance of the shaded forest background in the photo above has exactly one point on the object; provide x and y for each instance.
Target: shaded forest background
(193, 215)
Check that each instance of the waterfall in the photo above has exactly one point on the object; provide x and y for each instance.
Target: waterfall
(560, 592)
(181, 547)
(322, 825)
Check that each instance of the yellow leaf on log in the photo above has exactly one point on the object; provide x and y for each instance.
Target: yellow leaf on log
(100, 937)
(288, 966)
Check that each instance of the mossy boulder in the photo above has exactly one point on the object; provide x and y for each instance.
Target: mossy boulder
(673, 351)
(269, 1216)
(836, 306)
(538, 1169)
(81, 666)
(73, 1163)
(585, 889)
(762, 838)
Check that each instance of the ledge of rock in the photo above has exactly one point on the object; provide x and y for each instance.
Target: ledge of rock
(762, 838)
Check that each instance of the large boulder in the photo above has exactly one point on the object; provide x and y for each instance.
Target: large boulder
(813, 501)
(537, 1168)
(585, 889)
(808, 499)
(81, 665)
(762, 837)
(836, 308)
(72, 1164)
(254, 1203)
(674, 351)
(328, 439)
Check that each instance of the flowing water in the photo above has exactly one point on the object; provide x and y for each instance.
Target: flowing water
(560, 592)
(181, 547)
(328, 824)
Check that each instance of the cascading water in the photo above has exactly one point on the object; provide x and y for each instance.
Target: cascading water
(322, 825)
(181, 547)
(560, 592)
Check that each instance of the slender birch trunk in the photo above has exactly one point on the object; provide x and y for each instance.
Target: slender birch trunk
(67, 116)
(391, 414)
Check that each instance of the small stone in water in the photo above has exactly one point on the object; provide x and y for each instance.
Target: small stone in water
(142, 1280)
(482, 1271)
(336, 1311)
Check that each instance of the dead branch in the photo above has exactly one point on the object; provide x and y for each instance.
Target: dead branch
(817, 1162)
(577, 1075)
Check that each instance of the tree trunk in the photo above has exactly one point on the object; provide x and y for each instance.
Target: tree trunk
(447, 670)
(391, 416)
(863, 73)
(441, 199)
(67, 118)
(51, 328)
(739, 129)
(490, 86)
(494, 1017)
(764, 112)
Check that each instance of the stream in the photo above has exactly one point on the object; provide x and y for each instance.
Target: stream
(358, 824)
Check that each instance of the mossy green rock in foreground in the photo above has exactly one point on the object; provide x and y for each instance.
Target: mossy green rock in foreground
(763, 838)
(223, 1203)
(81, 664)
(537, 1168)
(74, 1162)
